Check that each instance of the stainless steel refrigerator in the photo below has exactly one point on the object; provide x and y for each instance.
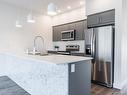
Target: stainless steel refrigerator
(99, 43)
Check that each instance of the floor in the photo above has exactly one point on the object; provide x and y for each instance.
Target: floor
(100, 90)
(9, 87)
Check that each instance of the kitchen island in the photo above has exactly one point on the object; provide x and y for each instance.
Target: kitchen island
(48, 75)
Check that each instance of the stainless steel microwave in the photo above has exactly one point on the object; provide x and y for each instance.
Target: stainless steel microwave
(68, 35)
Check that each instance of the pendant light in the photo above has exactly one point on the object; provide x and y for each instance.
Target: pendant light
(18, 24)
(30, 18)
(52, 9)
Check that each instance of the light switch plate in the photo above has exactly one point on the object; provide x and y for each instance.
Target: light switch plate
(72, 68)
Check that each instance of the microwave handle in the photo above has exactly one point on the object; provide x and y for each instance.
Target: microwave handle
(71, 35)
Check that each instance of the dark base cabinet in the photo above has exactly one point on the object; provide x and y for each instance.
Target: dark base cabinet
(80, 78)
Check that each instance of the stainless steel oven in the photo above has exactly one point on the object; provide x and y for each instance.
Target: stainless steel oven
(68, 35)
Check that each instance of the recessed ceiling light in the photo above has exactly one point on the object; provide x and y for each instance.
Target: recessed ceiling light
(59, 11)
(18, 24)
(81, 2)
(69, 7)
(52, 13)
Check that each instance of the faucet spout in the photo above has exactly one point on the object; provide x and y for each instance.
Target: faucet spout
(35, 42)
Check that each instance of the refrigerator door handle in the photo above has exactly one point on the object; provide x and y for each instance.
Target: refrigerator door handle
(93, 45)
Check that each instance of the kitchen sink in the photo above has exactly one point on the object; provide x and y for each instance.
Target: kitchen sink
(38, 53)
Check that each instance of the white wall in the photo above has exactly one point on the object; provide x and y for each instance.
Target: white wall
(118, 36)
(74, 15)
(95, 6)
(124, 43)
(18, 39)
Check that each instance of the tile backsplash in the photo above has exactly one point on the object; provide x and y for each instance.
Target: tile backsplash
(62, 45)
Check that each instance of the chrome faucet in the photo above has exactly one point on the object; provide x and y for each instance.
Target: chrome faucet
(35, 43)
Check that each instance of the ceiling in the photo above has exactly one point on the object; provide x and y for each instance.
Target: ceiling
(41, 5)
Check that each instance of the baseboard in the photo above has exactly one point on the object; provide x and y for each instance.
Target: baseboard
(120, 85)
(124, 83)
(117, 85)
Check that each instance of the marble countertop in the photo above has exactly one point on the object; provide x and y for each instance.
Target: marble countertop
(51, 58)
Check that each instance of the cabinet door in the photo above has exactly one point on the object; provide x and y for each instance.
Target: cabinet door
(55, 33)
(92, 20)
(59, 33)
(80, 78)
(85, 29)
(63, 27)
(72, 26)
(107, 17)
(80, 27)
